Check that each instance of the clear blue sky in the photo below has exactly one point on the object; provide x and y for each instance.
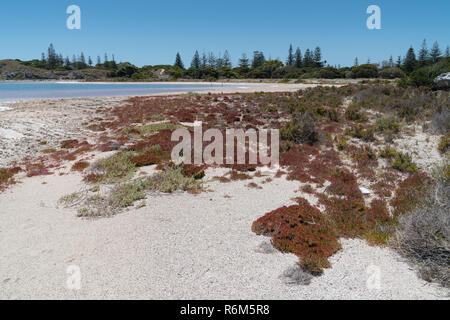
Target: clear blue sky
(151, 32)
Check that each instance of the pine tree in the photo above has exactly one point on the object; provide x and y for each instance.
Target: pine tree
(219, 62)
(290, 58)
(43, 59)
(308, 59)
(67, 62)
(227, 59)
(298, 58)
(258, 59)
(82, 58)
(204, 60)
(244, 62)
(410, 60)
(423, 53)
(317, 58)
(211, 60)
(436, 52)
(113, 63)
(399, 61)
(99, 61)
(447, 52)
(356, 63)
(178, 61)
(51, 57)
(391, 62)
(195, 64)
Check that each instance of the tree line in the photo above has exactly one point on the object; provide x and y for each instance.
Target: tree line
(53, 61)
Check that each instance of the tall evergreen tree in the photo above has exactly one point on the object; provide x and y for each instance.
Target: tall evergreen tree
(298, 61)
(308, 58)
(290, 59)
(391, 62)
(99, 61)
(423, 53)
(212, 60)
(244, 62)
(258, 59)
(67, 62)
(226, 59)
(317, 58)
(447, 52)
(356, 63)
(204, 63)
(195, 64)
(219, 61)
(410, 60)
(82, 58)
(178, 61)
(52, 59)
(90, 61)
(436, 52)
(399, 61)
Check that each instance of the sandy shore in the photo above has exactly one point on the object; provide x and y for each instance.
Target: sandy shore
(179, 246)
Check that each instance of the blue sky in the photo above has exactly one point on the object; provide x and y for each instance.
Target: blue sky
(151, 32)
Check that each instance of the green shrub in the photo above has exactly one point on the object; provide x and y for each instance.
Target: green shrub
(171, 179)
(392, 73)
(403, 162)
(116, 168)
(354, 113)
(387, 125)
(444, 144)
(364, 71)
(126, 194)
(359, 132)
(301, 130)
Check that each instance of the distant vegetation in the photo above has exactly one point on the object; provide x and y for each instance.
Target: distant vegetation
(414, 69)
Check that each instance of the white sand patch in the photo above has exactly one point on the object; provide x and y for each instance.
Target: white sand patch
(422, 146)
(10, 134)
(180, 246)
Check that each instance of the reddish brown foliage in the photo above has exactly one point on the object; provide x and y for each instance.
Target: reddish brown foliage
(80, 166)
(303, 231)
(409, 193)
(197, 172)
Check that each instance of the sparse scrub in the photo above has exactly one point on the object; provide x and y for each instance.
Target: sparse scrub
(403, 162)
(440, 122)
(171, 179)
(359, 132)
(124, 195)
(149, 156)
(155, 127)
(354, 113)
(387, 125)
(80, 166)
(116, 168)
(300, 130)
(423, 233)
(444, 143)
(6, 176)
(69, 144)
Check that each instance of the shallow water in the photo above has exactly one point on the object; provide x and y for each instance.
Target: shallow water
(17, 90)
